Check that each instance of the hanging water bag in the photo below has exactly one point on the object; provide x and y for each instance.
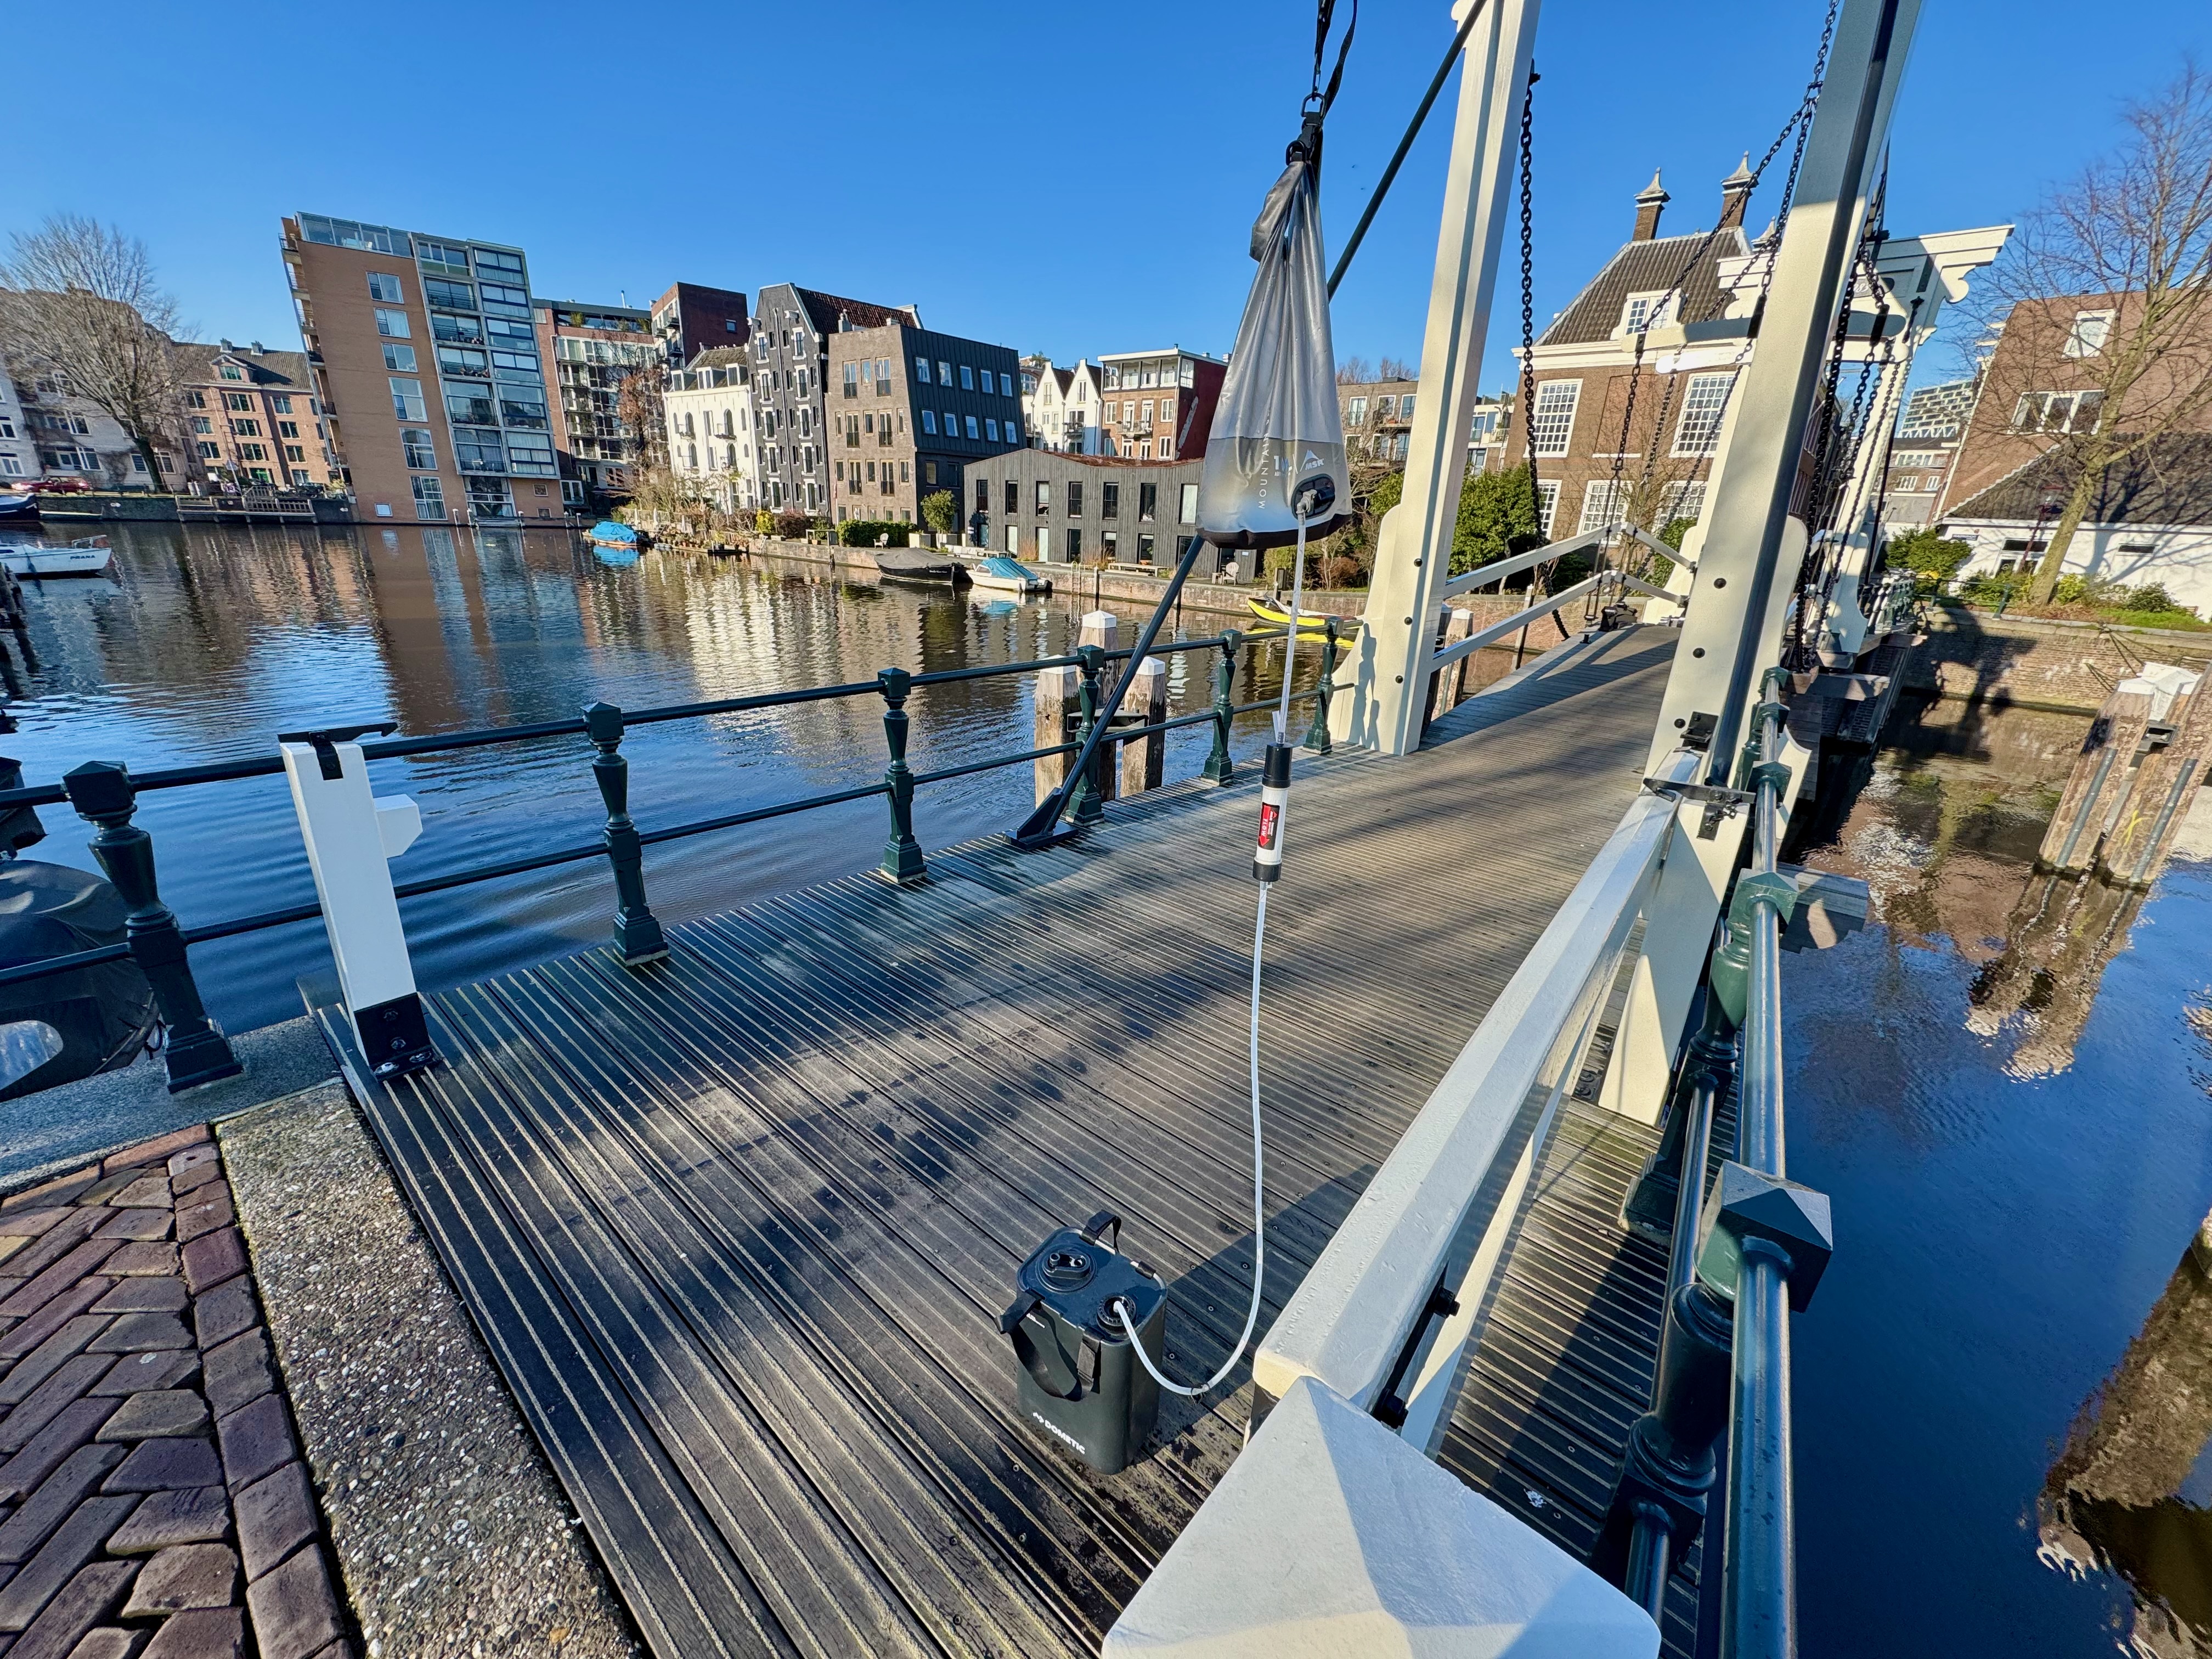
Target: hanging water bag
(1276, 431)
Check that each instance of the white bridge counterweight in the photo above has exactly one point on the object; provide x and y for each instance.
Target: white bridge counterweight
(350, 835)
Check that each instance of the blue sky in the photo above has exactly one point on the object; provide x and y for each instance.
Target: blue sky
(1068, 179)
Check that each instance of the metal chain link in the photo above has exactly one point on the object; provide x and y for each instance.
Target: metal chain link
(1528, 297)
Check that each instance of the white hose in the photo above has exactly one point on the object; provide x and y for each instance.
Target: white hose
(1258, 1184)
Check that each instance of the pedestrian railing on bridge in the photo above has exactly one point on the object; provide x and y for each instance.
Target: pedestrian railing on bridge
(1368, 1355)
(105, 793)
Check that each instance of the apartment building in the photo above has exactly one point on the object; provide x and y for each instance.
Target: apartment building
(1928, 432)
(1378, 420)
(1059, 507)
(1158, 405)
(251, 420)
(1062, 408)
(19, 452)
(790, 364)
(709, 411)
(589, 349)
(1622, 337)
(425, 355)
(909, 409)
(690, 319)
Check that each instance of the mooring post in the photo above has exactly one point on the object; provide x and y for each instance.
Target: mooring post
(1103, 629)
(1055, 724)
(1449, 681)
(638, 935)
(196, 1050)
(1317, 733)
(1144, 760)
(1218, 768)
(901, 853)
(1086, 806)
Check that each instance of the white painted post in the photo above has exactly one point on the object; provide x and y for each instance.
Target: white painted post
(1103, 629)
(350, 837)
(1382, 707)
(1144, 760)
(1055, 702)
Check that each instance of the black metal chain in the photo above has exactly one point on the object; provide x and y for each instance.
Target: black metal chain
(1528, 294)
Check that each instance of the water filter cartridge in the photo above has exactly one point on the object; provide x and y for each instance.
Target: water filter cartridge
(1274, 796)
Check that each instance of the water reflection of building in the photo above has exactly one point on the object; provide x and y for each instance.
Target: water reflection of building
(2124, 1495)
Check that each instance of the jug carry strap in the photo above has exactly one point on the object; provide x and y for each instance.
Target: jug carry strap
(1035, 1348)
(1098, 1224)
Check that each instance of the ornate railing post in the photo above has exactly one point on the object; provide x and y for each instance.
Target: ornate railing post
(1317, 734)
(1218, 768)
(195, 1051)
(637, 930)
(1086, 805)
(903, 861)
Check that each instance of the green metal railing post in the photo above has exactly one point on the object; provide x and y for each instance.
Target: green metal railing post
(1218, 768)
(637, 930)
(903, 861)
(197, 1051)
(1317, 734)
(1086, 804)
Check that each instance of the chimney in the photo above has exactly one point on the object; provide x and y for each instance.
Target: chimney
(1650, 202)
(1735, 193)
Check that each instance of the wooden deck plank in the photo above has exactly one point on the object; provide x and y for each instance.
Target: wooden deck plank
(738, 1226)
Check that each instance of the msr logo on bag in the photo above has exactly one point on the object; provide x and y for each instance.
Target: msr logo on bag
(1310, 462)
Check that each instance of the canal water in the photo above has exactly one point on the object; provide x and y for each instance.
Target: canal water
(2003, 1389)
(202, 643)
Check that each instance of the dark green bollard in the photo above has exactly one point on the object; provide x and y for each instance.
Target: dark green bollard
(637, 930)
(197, 1051)
(903, 861)
(1317, 734)
(1086, 804)
(1218, 768)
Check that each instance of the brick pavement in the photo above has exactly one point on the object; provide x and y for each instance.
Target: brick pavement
(153, 1504)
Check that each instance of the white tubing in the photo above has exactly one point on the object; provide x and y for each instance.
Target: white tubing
(1259, 942)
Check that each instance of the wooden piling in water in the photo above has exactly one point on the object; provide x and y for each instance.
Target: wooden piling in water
(1056, 719)
(1144, 760)
(2103, 773)
(2135, 845)
(1450, 681)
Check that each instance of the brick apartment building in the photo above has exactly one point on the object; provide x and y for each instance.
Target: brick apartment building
(251, 420)
(1928, 431)
(426, 358)
(690, 319)
(1378, 420)
(588, 350)
(1159, 404)
(908, 409)
(1586, 361)
(790, 365)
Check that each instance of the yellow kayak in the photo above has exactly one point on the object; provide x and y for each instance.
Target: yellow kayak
(1310, 622)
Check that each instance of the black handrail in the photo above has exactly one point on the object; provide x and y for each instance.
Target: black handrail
(225, 771)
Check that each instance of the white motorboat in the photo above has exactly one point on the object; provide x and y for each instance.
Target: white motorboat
(87, 557)
(1009, 576)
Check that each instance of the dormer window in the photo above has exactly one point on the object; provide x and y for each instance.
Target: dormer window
(232, 372)
(2087, 337)
(1645, 312)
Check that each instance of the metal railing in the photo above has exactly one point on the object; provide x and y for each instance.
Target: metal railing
(107, 794)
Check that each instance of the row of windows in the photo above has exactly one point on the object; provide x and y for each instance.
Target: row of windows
(1698, 432)
(864, 473)
(1389, 407)
(1109, 499)
(279, 402)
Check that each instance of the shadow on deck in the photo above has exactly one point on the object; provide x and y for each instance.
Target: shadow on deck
(737, 1226)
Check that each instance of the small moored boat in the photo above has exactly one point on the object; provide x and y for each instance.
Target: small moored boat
(915, 564)
(1008, 577)
(87, 557)
(1310, 622)
(610, 533)
(18, 504)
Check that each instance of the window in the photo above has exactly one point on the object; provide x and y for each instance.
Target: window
(1406, 407)
(1704, 407)
(967, 378)
(245, 429)
(929, 473)
(400, 357)
(237, 400)
(281, 402)
(392, 325)
(952, 424)
(1109, 502)
(905, 477)
(1005, 386)
(1013, 497)
(422, 454)
(1044, 496)
(383, 286)
(481, 452)
(10, 467)
(209, 452)
(429, 499)
(1648, 311)
(971, 426)
(1145, 546)
(200, 423)
(2087, 337)
(1109, 543)
(1148, 500)
(195, 400)
(929, 422)
(1074, 497)
(982, 494)
(1554, 420)
(1386, 408)
(450, 296)
(944, 372)
(232, 372)
(1547, 504)
(1601, 504)
(1186, 509)
(1167, 449)
(407, 400)
(2057, 412)
(252, 452)
(921, 370)
(1685, 500)
(991, 429)
(294, 453)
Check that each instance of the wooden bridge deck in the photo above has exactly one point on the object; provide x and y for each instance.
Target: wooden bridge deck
(737, 1227)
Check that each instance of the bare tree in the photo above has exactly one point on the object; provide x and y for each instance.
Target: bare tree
(1397, 368)
(80, 306)
(1354, 371)
(639, 407)
(2104, 301)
